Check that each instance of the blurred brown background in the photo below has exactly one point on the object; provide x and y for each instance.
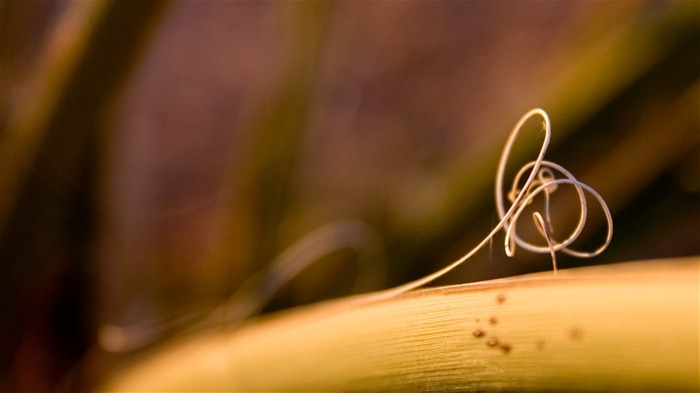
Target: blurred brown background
(156, 154)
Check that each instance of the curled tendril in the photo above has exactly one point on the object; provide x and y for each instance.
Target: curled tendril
(541, 178)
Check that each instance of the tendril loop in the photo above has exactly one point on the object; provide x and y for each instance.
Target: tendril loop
(541, 178)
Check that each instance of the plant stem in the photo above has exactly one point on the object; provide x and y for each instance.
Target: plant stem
(624, 327)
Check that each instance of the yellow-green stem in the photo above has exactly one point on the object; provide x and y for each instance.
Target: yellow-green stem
(625, 327)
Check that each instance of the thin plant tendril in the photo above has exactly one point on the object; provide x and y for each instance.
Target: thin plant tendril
(545, 230)
(256, 292)
(541, 178)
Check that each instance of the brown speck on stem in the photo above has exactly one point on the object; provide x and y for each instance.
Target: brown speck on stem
(539, 344)
(493, 320)
(505, 348)
(492, 342)
(478, 333)
(575, 333)
(501, 298)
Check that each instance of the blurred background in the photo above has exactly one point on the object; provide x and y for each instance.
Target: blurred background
(156, 154)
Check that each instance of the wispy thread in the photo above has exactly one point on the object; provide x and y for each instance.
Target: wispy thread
(541, 178)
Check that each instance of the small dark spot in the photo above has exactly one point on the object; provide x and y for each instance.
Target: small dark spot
(539, 344)
(493, 320)
(478, 333)
(478, 320)
(492, 342)
(501, 298)
(575, 333)
(505, 348)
